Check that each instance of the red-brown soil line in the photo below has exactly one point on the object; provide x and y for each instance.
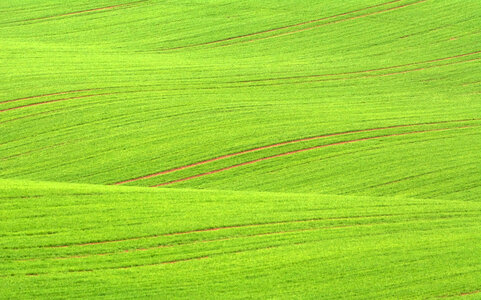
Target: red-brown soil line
(240, 236)
(32, 151)
(366, 71)
(129, 267)
(53, 101)
(154, 264)
(302, 150)
(461, 295)
(188, 259)
(268, 247)
(221, 228)
(47, 95)
(83, 11)
(230, 238)
(286, 143)
(278, 223)
(330, 23)
(30, 116)
(416, 176)
(392, 73)
(470, 293)
(281, 28)
(352, 78)
(470, 83)
(424, 68)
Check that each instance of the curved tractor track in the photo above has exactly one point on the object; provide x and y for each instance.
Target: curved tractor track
(303, 150)
(81, 12)
(240, 39)
(282, 144)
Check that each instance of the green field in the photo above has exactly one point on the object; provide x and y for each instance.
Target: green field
(240, 149)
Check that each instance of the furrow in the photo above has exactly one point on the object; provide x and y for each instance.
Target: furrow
(286, 143)
(279, 28)
(301, 150)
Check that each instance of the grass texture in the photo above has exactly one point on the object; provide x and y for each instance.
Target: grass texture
(240, 149)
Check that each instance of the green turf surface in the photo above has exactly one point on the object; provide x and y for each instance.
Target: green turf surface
(121, 120)
(87, 241)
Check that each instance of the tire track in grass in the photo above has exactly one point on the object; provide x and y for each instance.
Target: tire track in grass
(265, 80)
(354, 78)
(236, 251)
(461, 294)
(139, 266)
(416, 176)
(296, 25)
(280, 28)
(32, 151)
(32, 115)
(469, 293)
(80, 12)
(222, 228)
(121, 267)
(246, 226)
(303, 150)
(223, 253)
(47, 95)
(325, 24)
(471, 83)
(229, 238)
(287, 143)
(67, 109)
(369, 70)
(216, 240)
(66, 99)
(53, 101)
(339, 226)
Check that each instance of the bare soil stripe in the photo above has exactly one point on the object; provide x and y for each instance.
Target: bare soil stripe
(47, 95)
(355, 78)
(471, 83)
(461, 294)
(470, 293)
(222, 228)
(231, 238)
(365, 71)
(148, 265)
(56, 100)
(329, 23)
(125, 267)
(31, 115)
(216, 240)
(46, 102)
(280, 28)
(286, 143)
(303, 150)
(268, 79)
(423, 68)
(300, 76)
(82, 11)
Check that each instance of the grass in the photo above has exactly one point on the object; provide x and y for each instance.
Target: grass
(335, 143)
(128, 241)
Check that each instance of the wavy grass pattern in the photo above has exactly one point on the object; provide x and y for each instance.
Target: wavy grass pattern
(298, 149)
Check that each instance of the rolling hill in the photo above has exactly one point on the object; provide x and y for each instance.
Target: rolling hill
(222, 149)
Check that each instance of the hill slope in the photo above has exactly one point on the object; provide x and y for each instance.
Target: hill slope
(94, 96)
(332, 145)
(89, 241)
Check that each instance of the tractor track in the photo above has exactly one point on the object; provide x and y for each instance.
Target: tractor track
(303, 150)
(279, 28)
(112, 7)
(286, 143)
(235, 38)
